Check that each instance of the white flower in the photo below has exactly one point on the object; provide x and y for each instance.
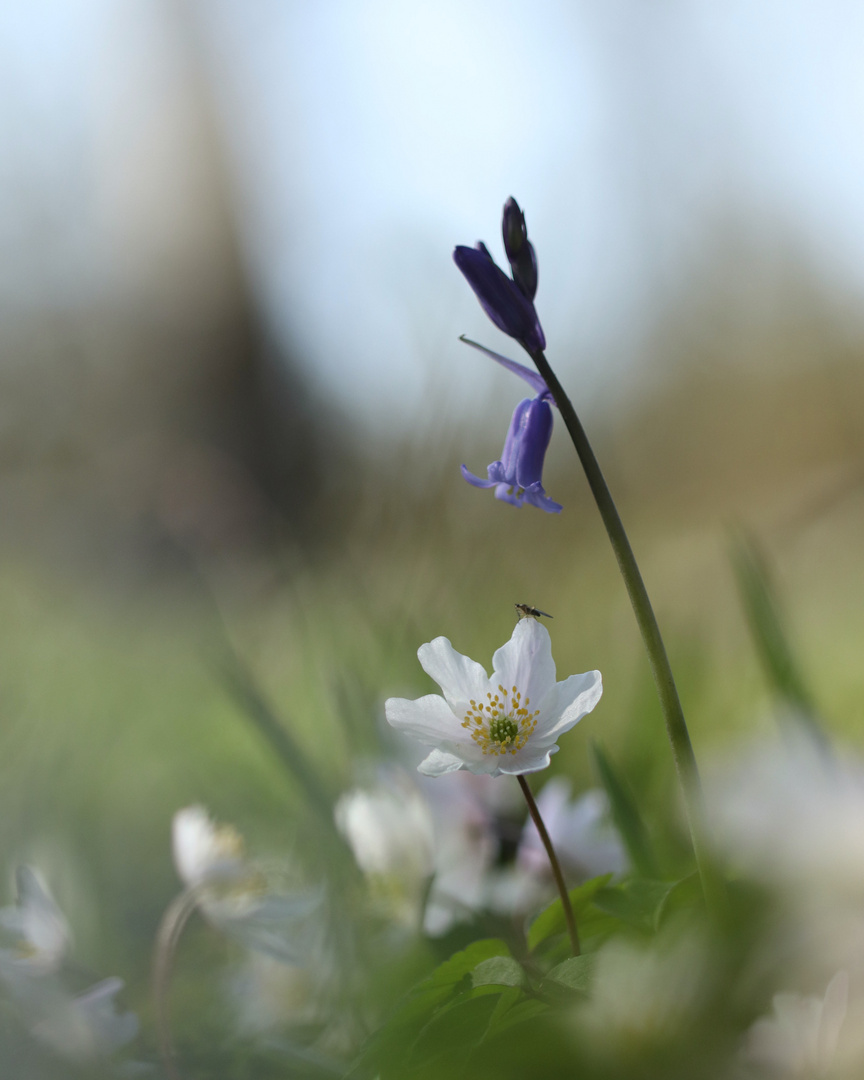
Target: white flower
(234, 894)
(389, 828)
(466, 812)
(644, 992)
(390, 832)
(37, 926)
(800, 1039)
(507, 724)
(88, 1026)
(205, 852)
(581, 832)
(791, 813)
(80, 1027)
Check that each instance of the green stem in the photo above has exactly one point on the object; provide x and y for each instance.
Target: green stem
(569, 917)
(713, 886)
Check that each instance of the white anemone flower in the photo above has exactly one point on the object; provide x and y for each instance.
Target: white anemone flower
(89, 1026)
(799, 1041)
(234, 892)
(581, 831)
(390, 831)
(37, 926)
(510, 723)
(82, 1027)
(204, 852)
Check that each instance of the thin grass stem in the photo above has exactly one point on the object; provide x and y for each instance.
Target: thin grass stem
(713, 885)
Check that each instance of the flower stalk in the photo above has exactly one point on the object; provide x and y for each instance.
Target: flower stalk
(676, 727)
(543, 833)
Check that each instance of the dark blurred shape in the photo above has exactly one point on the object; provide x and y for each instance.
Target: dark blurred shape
(161, 405)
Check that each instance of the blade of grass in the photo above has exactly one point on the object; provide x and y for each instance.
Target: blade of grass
(625, 814)
(761, 606)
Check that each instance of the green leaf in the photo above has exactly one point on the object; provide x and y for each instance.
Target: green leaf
(463, 963)
(635, 902)
(684, 895)
(498, 971)
(513, 1008)
(625, 814)
(448, 1037)
(576, 973)
(450, 982)
(760, 603)
(551, 919)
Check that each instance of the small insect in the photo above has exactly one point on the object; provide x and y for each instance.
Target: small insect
(525, 611)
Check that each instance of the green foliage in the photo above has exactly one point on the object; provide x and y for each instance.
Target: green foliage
(467, 999)
(773, 647)
(551, 921)
(625, 814)
(575, 973)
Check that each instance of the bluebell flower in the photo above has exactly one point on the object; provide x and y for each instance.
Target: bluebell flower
(509, 302)
(517, 477)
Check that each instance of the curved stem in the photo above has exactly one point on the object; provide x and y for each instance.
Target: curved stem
(569, 917)
(676, 727)
(170, 929)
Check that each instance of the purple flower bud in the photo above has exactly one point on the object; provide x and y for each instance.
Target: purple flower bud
(513, 227)
(520, 250)
(524, 270)
(501, 298)
(518, 476)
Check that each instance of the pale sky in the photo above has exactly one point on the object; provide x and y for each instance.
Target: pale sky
(367, 137)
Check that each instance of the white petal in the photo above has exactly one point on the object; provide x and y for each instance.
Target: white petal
(574, 698)
(202, 849)
(459, 677)
(38, 920)
(437, 763)
(532, 758)
(429, 719)
(526, 661)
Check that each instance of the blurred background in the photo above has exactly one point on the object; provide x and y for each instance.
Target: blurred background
(233, 402)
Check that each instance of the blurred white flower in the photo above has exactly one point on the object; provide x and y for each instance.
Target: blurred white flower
(236, 895)
(582, 833)
(390, 831)
(268, 995)
(88, 1026)
(389, 828)
(793, 813)
(465, 809)
(584, 838)
(82, 1027)
(645, 992)
(790, 814)
(799, 1041)
(510, 723)
(37, 927)
(205, 852)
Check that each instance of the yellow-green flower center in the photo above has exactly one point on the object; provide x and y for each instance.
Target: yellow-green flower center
(503, 730)
(502, 724)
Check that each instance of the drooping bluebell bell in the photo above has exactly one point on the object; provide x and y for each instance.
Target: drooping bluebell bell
(509, 302)
(518, 476)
